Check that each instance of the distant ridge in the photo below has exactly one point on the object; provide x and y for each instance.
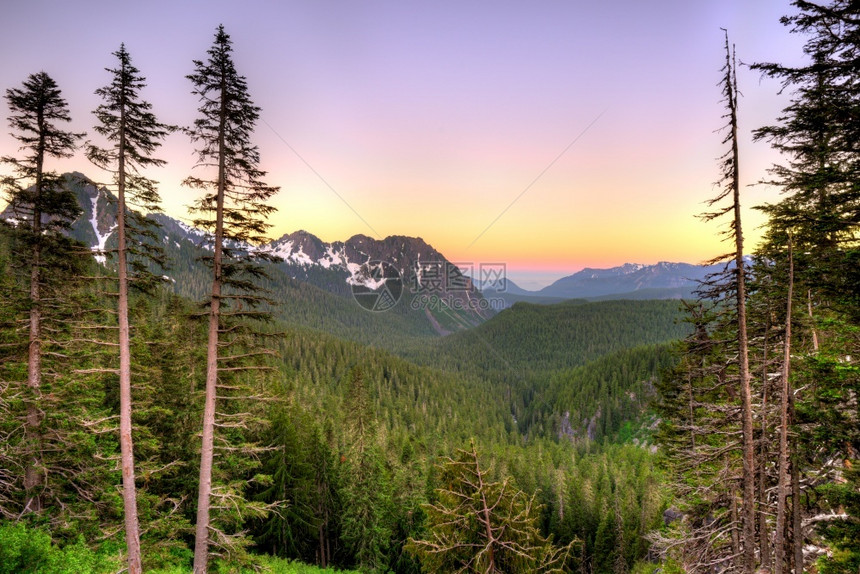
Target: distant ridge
(664, 280)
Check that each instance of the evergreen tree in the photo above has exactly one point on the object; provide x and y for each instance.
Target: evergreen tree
(698, 422)
(77, 495)
(129, 125)
(364, 484)
(737, 287)
(233, 210)
(707, 400)
(293, 531)
(479, 525)
(817, 137)
(43, 208)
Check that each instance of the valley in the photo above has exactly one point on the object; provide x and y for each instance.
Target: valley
(570, 383)
(192, 381)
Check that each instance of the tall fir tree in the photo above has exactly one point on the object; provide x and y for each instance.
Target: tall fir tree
(134, 134)
(731, 192)
(44, 208)
(707, 401)
(234, 211)
(817, 136)
(364, 483)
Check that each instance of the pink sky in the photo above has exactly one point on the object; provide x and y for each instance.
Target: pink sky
(438, 120)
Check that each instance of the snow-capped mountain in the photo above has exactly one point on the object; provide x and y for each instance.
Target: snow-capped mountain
(428, 283)
(97, 222)
(411, 256)
(663, 280)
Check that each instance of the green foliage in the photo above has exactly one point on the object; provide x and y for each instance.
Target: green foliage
(41, 209)
(365, 486)
(332, 432)
(815, 378)
(133, 134)
(277, 566)
(24, 550)
(234, 196)
(606, 397)
(537, 338)
(266, 564)
(479, 525)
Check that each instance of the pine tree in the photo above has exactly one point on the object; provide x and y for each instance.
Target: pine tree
(233, 209)
(291, 532)
(43, 211)
(365, 488)
(731, 191)
(699, 421)
(817, 137)
(479, 525)
(700, 398)
(134, 133)
(816, 134)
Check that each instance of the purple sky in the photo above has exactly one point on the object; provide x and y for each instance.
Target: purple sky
(431, 119)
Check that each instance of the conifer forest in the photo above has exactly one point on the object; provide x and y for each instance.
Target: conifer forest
(179, 398)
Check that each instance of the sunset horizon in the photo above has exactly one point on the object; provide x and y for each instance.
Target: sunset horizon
(531, 137)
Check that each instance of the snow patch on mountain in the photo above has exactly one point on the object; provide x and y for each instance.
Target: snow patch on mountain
(101, 239)
(190, 230)
(197, 236)
(292, 250)
(368, 275)
(332, 258)
(286, 252)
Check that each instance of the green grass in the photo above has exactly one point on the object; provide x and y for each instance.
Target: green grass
(279, 566)
(269, 564)
(26, 550)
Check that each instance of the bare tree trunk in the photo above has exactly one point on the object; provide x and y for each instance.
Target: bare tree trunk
(749, 467)
(736, 539)
(483, 515)
(796, 515)
(485, 511)
(321, 554)
(323, 523)
(691, 413)
(812, 321)
(129, 492)
(785, 391)
(34, 474)
(201, 546)
(763, 536)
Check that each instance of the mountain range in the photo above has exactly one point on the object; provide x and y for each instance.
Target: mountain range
(663, 280)
(432, 294)
(427, 282)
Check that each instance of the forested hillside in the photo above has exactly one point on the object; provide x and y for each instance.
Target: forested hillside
(174, 398)
(317, 387)
(292, 462)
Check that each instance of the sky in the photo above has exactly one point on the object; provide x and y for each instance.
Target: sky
(549, 135)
